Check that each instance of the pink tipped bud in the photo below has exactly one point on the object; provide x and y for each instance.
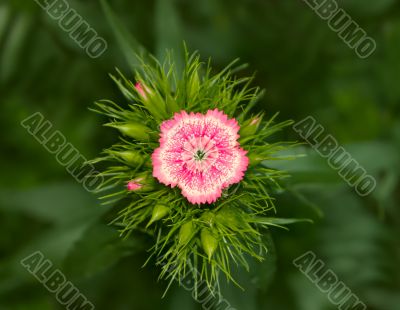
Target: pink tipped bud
(140, 89)
(250, 127)
(143, 90)
(133, 185)
(143, 183)
(255, 121)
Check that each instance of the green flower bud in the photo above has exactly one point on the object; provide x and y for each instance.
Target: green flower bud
(208, 217)
(136, 131)
(159, 212)
(143, 90)
(151, 99)
(134, 158)
(230, 217)
(143, 182)
(186, 233)
(254, 159)
(249, 128)
(193, 85)
(209, 242)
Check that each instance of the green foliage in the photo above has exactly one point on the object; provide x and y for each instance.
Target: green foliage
(305, 69)
(196, 241)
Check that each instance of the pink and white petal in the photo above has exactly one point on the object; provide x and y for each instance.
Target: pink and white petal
(198, 192)
(201, 181)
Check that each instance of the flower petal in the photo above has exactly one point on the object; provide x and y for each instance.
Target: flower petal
(200, 154)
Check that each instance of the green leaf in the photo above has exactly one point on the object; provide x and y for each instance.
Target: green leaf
(61, 204)
(14, 44)
(279, 222)
(169, 32)
(129, 46)
(373, 8)
(99, 248)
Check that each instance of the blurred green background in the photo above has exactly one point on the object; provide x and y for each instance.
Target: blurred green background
(306, 70)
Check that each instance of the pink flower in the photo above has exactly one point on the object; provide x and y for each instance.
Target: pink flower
(200, 154)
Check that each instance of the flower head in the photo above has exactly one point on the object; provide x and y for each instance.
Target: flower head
(200, 154)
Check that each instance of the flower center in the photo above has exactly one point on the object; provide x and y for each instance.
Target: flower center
(199, 155)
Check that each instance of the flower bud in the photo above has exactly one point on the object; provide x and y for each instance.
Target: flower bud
(255, 159)
(134, 158)
(230, 217)
(159, 212)
(133, 186)
(136, 131)
(143, 90)
(250, 127)
(208, 218)
(193, 87)
(142, 182)
(209, 242)
(152, 100)
(186, 233)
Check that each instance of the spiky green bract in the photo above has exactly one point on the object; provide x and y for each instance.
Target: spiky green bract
(197, 241)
